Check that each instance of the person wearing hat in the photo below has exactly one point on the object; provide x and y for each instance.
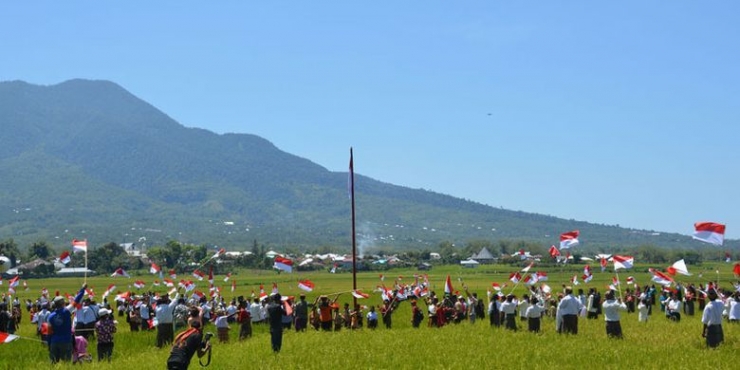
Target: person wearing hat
(60, 327)
(104, 329)
(275, 313)
(712, 320)
(165, 312)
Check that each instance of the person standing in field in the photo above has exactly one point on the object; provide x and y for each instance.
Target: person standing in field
(642, 310)
(275, 313)
(372, 318)
(611, 307)
(416, 315)
(534, 314)
(566, 316)
(673, 308)
(165, 312)
(494, 311)
(386, 311)
(104, 329)
(508, 308)
(60, 327)
(186, 344)
(733, 314)
(301, 313)
(245, 321)
(712, 320)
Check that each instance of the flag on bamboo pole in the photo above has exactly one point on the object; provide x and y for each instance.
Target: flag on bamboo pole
(709, 232)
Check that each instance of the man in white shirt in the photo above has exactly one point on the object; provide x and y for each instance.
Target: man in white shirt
(673, 309)
(254, 311)
(611, 308)
(166, 319)
(566, 317)
(508, 308)
(712, 320)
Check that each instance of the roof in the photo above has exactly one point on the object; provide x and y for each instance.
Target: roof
(74, 270)
(484, 254)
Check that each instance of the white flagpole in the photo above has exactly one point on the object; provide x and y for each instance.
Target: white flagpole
(85, 281)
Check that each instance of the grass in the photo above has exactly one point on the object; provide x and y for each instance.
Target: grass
(658, 343)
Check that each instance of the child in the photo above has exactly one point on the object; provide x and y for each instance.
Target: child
(222, 326)
(104, 329)
(79, 352)
(372, 318)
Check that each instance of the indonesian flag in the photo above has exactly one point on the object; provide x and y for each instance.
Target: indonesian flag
(169, 283)
(515, 277)
(120, 272)
(496, 286)
(274, 288)
(382, 278)
(90, 292)
(554, 252)
(526, 269)
(623, 262)
(546, 288)
(233, 286)
(541, 276)
(587, 270)
(306, 285)
(736, 269)
(154, 269)
(283, 264)
(215, 291)
(12, 283)
(421, 292)
(360, 295)
(189, 285)
(615, 281)
(156, 283)
(574, 280)
(401, 294)
(219, 253)
(630, 280)
(587, 278)
(569, 239)
(709, 232)
(7, 338)
(661, 278)
(79, 245)
(44, 292)
(123, 296)
(198, 275)
(333, 269)
(210, 275)
(678, 267)
(603, 264)
(385, 293)
(138, 284)
(65, 258)
(110, 290)
(522, 254)
(529, 280)
(263, 295)
(173, 275)
(227, 277)
(448, 285)
(197, 295)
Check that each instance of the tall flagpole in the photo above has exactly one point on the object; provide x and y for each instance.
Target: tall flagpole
(85, 281)
(354, 238)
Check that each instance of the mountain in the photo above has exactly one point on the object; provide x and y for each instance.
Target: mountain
(87, 159)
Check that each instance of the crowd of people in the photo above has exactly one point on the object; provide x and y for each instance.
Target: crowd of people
(67, 324)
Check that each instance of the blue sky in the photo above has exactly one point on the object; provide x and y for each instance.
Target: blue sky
(616, 113)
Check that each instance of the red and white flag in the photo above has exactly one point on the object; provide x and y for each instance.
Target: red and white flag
(541, 276)
(233, 286)
(218, 253)
(44, 292)
(360, 295)
(587, 278)
(574, 280)
(587, 270)
(65, 258)
(515, 277)
(678, 267)
(306, 285)
(227, 277)
(603, 264)
(263, 295)
(630, 280)
(120, 272)
(154, 269)
(110, 290)
(210, 275)
(155, 283)
(554, 252)
(173, 275)
(13, 282)
(7, 338)
(198, 275)
(138, 284)
(661, 278)
(283, 264)
(496, 286)
(709, 232)
(615, 281)
(569, 239)
(197, 295)
(530, 280)
(526, 269)
(448, 286)
(189, 285)
(382, 277)
(623, 262)
(736, 269)
(79, 245)
(169, 283)
(274, 288)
